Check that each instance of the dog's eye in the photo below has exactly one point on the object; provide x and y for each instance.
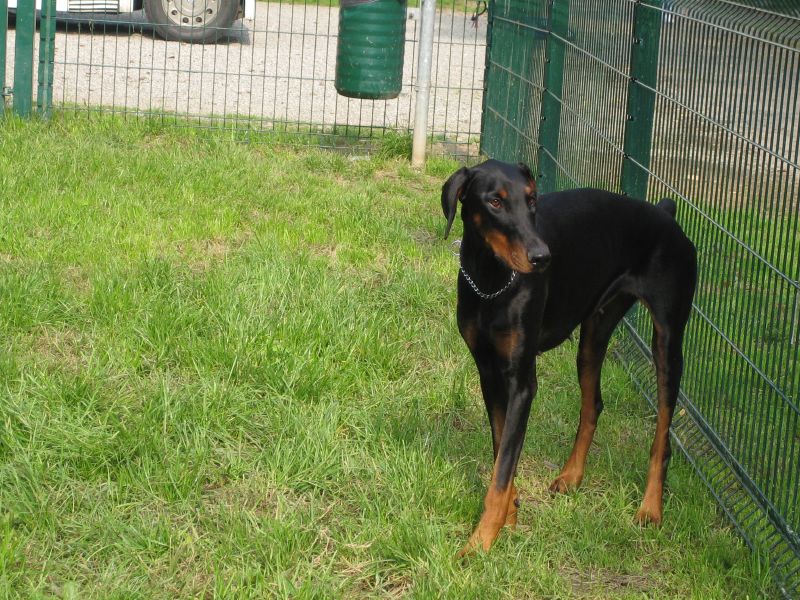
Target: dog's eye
(495, 202)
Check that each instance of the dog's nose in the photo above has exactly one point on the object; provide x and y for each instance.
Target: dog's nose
(539, 259)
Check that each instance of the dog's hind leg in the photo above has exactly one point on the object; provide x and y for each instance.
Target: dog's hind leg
(595, 334)
(670, 315)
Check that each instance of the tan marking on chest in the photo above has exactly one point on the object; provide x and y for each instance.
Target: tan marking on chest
(469, 331)
(507, 342)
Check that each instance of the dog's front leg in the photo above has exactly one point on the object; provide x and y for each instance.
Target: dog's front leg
(495, 397)
(521, 388)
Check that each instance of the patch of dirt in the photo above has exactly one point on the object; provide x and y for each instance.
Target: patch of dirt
(329, 251)
(421, 183)
(253, 494)
(394, 586)
(424, 237)
(77, 279)
(533, 487)
(459, 423)
(603, 583)
(201, 255)
(259, 215)
(67, 348)
(455, 150)
(189, 577)
(387, 175)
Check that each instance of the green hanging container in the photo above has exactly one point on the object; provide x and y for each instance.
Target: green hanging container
(369, 53)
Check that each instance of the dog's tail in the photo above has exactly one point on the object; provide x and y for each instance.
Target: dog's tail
(668, 205)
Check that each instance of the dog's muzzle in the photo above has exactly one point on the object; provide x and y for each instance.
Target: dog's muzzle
(540, 259)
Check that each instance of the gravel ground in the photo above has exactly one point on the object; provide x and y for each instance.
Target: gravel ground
(277, 68)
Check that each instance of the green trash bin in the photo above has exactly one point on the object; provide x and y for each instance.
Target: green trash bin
(369, 52)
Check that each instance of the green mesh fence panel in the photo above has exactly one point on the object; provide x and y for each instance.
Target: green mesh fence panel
(698, 101)
(264, 73)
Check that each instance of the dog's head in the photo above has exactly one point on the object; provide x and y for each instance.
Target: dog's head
(499, 204)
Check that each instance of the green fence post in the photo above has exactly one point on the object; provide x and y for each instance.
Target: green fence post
(23, 57)
(486, 73)
(641, 97)
(551, 95)
(47, 48)
(3, 38)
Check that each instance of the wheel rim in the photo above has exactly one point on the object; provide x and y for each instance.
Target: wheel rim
(191, 12)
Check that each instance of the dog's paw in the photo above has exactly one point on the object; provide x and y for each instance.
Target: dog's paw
(465, 551)
(563, 484)
(483, 537)
(470, 548)
(647, 516)
(511, 515)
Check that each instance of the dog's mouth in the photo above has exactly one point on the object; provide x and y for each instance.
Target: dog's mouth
(519, 262)
(515, 256)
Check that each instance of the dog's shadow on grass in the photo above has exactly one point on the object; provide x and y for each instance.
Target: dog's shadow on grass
(450, 433)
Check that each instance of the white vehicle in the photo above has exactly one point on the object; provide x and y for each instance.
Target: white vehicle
(196, 21)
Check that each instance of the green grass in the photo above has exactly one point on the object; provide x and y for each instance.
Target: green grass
(233, 371)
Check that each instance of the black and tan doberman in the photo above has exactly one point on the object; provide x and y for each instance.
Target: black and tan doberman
(535, 268)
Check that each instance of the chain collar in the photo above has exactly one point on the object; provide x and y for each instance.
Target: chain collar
(472, 284)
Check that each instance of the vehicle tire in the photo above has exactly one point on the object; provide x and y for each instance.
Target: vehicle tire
(194, 21)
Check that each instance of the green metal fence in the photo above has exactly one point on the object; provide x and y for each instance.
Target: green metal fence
(699, 101)
(269, 74)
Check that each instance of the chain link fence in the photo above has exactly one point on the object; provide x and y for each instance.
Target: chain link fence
(698, 101)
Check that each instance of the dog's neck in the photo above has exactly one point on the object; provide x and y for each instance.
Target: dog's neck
(479, 261)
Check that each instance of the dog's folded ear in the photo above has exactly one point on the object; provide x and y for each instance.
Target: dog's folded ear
(526, 172)
(452, 190)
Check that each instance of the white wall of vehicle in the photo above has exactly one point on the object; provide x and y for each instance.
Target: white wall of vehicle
(115, 6)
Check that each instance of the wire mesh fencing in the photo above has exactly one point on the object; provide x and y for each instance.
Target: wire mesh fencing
(268, 72)
(698, 101)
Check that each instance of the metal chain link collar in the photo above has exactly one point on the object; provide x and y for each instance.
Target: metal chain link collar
(472, 284)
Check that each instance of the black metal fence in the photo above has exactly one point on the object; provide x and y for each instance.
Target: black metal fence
(272, 74)
(699, 101)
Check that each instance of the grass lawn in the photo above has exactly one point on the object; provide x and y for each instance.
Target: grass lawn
(233, 371)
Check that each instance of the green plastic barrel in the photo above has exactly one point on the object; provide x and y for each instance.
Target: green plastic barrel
(369, 53)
